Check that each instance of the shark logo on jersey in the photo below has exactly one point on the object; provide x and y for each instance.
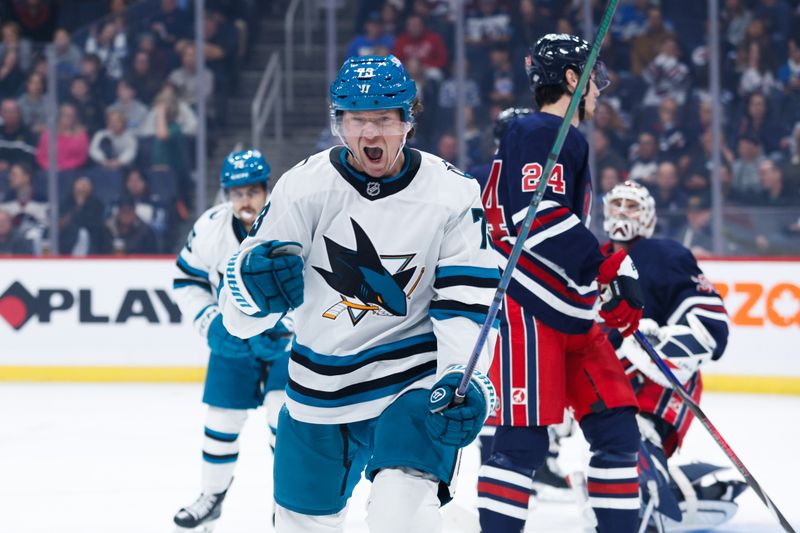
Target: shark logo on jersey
(363, 282)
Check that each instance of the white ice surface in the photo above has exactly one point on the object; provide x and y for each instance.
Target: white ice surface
(122, 458)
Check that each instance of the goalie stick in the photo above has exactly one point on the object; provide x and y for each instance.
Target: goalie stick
(715, 434)
(525, 229)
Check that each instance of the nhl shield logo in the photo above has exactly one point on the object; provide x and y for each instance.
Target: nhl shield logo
(373, 188)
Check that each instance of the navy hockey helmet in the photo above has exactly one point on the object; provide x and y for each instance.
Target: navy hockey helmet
(370, 83)
(555, 53)
(245, 167)
(505, 117)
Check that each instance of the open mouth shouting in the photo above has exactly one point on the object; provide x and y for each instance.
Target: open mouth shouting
(374, 154)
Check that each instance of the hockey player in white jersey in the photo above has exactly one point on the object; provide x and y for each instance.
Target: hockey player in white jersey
(241, 373)
(382, 250)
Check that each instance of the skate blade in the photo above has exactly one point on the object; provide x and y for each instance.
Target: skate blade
(202, 528)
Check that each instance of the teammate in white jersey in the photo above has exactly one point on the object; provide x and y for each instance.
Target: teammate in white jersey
(241, 373)
(386, 249)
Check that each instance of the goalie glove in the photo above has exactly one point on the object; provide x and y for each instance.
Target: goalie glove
(682, 348)
(621, 294)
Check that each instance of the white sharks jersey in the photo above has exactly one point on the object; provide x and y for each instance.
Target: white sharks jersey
(398, 278)
(201, 262)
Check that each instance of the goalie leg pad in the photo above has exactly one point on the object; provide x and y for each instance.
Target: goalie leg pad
(404, 499)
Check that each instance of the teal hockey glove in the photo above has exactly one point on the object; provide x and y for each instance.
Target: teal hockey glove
(223, 343)
(273, 278)
(458, 425)
(272, 343)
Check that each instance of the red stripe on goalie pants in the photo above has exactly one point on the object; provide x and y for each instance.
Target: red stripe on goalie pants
(519, 496)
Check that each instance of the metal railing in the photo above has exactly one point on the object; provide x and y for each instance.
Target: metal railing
(288, 32)
(268, 101)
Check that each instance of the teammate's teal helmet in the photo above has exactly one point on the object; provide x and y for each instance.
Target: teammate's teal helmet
(371, 83)
(245, 167)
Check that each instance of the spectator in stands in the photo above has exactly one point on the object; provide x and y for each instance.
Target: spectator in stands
(754, 63)
(162, 60)
(696, 233)
(390, 20)
(32, 104)
(179, 113)
(110, 45)
(671, 138)
(16, 140)
(11, 75)
(735, 19)
(647, 45)
(27, 208)
(37, 18)
(486, 26)
(171, 24)
(644, 161)
(12, 242)
(698, 158)
(99, 85)
(113, 147)
(670, 199)
(447, 147)
(13, 42)
(789, 78)
(373, 41)
(777, 16)
(169, 120)
(448, 93)
(221, 48)
(143, 79)
(68, 56)
(745, 168)
(604, 155)
(609, 177)
(630, 21)
(190, 85)
(129, 233)
(126, 103)
(607, 119)
(666, 76)
(527, 27)
(90, 108)
(422, 44)
(760, 124)
(71, 139)
(774, 192)
(498, 81)
(149, 208)
(81, 227)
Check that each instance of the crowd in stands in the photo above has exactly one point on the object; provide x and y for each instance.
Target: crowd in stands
(127, 91)
(653, 122)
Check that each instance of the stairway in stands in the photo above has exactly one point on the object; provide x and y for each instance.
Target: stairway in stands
(302, 125)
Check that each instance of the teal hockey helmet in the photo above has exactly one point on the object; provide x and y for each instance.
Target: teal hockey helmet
(370, 83)
(245, 167)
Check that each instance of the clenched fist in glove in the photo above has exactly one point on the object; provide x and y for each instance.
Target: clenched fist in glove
(458, 425)
(219, 340)
(272, 272)
(272, 343)
(622, 297)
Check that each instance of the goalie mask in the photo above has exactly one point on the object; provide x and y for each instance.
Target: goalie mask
(629, 212)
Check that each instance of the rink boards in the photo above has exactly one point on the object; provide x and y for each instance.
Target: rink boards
(114, 319)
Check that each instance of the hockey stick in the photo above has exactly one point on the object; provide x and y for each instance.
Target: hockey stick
(525, 229)
(701, 416)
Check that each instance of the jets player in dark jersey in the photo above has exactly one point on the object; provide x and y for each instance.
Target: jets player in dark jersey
(242, 374)
(552, 354)
(686, 321)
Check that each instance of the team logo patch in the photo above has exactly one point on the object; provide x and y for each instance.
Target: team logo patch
(366, 281)
(518, 396)
(373, 188)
